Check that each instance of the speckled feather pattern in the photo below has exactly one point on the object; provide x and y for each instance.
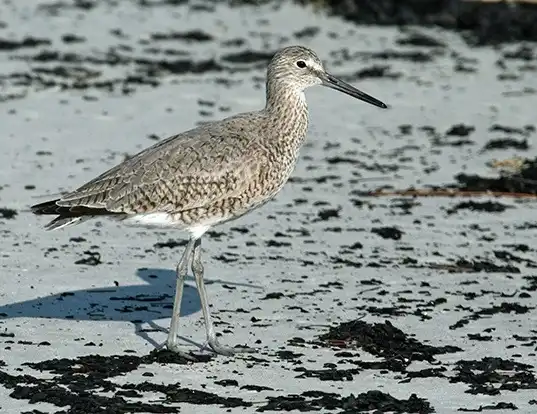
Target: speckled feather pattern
(213, 173)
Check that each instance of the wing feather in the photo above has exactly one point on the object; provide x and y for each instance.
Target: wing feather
(189, 170)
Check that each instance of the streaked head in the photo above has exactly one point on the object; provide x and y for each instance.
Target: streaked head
(299, 67)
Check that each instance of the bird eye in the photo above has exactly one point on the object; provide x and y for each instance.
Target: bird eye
(301, 64)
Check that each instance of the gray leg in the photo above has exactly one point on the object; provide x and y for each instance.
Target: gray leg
(197, 269)
(182, 269)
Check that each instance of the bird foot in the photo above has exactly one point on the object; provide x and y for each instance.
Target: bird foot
(217, 348)
(173, 347)
(212, 345)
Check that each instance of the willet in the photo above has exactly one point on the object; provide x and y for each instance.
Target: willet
(209, 175)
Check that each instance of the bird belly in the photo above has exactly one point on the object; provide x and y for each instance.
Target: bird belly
(155, 219)
(258, 191)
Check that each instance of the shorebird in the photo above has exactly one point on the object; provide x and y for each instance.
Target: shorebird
(209, 175)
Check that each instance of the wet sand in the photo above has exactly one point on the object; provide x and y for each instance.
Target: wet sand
(356, 303)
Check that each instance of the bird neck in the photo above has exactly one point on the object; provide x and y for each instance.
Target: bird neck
(287, 112)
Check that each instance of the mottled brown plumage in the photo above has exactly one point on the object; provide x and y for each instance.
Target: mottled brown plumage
(211, 174)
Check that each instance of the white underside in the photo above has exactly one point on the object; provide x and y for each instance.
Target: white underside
(166, 220)
(152, 220)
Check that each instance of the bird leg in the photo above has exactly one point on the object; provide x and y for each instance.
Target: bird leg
(197, 269)
(182, 269)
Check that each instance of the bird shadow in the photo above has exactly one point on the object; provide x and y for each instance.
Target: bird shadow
(139, 304)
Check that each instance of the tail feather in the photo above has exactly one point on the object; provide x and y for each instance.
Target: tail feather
(48, 207)
(61, 222)
(68, 216)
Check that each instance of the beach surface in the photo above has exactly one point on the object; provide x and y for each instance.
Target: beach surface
(356, 303)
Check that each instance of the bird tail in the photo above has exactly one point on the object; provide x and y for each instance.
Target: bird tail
(61, 222)
(67, 216)
(48, 207)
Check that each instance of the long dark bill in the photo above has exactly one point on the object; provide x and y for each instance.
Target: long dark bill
(337, 84)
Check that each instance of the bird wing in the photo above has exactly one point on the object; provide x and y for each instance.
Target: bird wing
(189, 170)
